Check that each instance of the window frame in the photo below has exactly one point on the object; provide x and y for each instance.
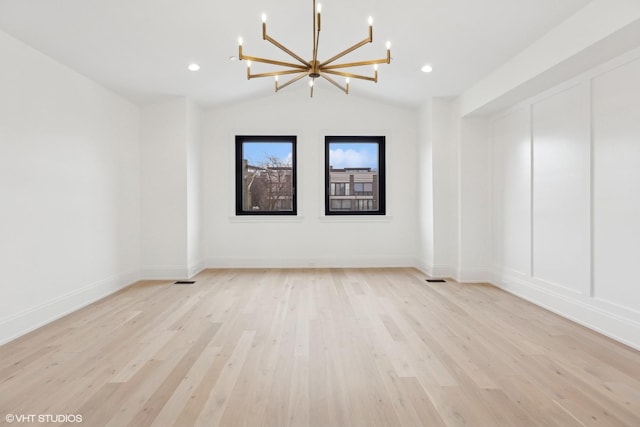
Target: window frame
(242, 139)
(381, 142)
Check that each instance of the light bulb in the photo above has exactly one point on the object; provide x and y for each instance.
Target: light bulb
(264, 17)
(240, 41)
(194, 67)
(276, 77)
(346, 80)
(370, 20)
(311, 82)
(375, 67)
(427, 69)
(319, 8)
(248, 64)
(388, 45)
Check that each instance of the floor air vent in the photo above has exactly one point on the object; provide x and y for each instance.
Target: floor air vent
(436, 281)
(184, 282)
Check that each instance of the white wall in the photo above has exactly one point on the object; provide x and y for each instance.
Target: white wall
(454, 210)
(195, 233)
(445, 134)
(425, 188)
(566, 187)
(170, 141)
(163, 130)
(69, 222)
(438, 172)
(474, 243)
(511, 192)
(311, 239)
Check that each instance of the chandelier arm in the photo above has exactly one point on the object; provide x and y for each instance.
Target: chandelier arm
(346, 51)
(275, 73)
(354, 76)
(355, 64)
(293, 80)
(316, 32)
(285, 49)
(272, 62)
(315, 43)
(335, 83)
(315, 48)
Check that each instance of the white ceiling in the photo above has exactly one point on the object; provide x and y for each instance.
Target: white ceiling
(141, 48)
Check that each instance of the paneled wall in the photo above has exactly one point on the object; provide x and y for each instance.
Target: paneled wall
(566, 198)
(561, 189)
(616, 189)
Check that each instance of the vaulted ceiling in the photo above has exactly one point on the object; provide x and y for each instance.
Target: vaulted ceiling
(141, 48)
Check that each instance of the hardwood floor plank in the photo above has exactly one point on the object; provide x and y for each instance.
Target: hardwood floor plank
(217, 400)
(170, 411)
(410, 402)
(153, 406)
(319, 414)
(299, 405)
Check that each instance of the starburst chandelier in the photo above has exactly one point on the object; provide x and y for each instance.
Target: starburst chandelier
(314, 68)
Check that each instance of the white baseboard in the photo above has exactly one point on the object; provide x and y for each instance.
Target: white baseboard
(621, 324)
(328, 262)
(172, 272)
(16, 325)
(438, 271)
(423, 268)
(473, 276)
(195, 269)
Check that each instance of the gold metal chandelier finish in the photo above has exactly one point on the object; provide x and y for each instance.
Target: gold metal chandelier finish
(314, 68)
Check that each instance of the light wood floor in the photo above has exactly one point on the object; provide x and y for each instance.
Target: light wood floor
(322, 348)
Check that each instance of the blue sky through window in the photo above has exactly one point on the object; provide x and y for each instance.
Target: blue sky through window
(353, 155)
(256, 153)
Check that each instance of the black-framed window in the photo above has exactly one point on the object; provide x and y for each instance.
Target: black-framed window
(355, 175)
(266, 175)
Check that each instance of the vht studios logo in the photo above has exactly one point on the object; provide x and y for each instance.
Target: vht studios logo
(43, 418)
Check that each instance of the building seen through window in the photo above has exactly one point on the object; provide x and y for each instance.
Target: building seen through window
(353, 189)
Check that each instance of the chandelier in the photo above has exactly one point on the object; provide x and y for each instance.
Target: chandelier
(314, 68)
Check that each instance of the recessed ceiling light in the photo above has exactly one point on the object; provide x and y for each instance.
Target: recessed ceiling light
(426, 69)
(194, 67)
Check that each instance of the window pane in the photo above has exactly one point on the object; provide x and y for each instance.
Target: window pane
(265, 175)
(355, 175)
